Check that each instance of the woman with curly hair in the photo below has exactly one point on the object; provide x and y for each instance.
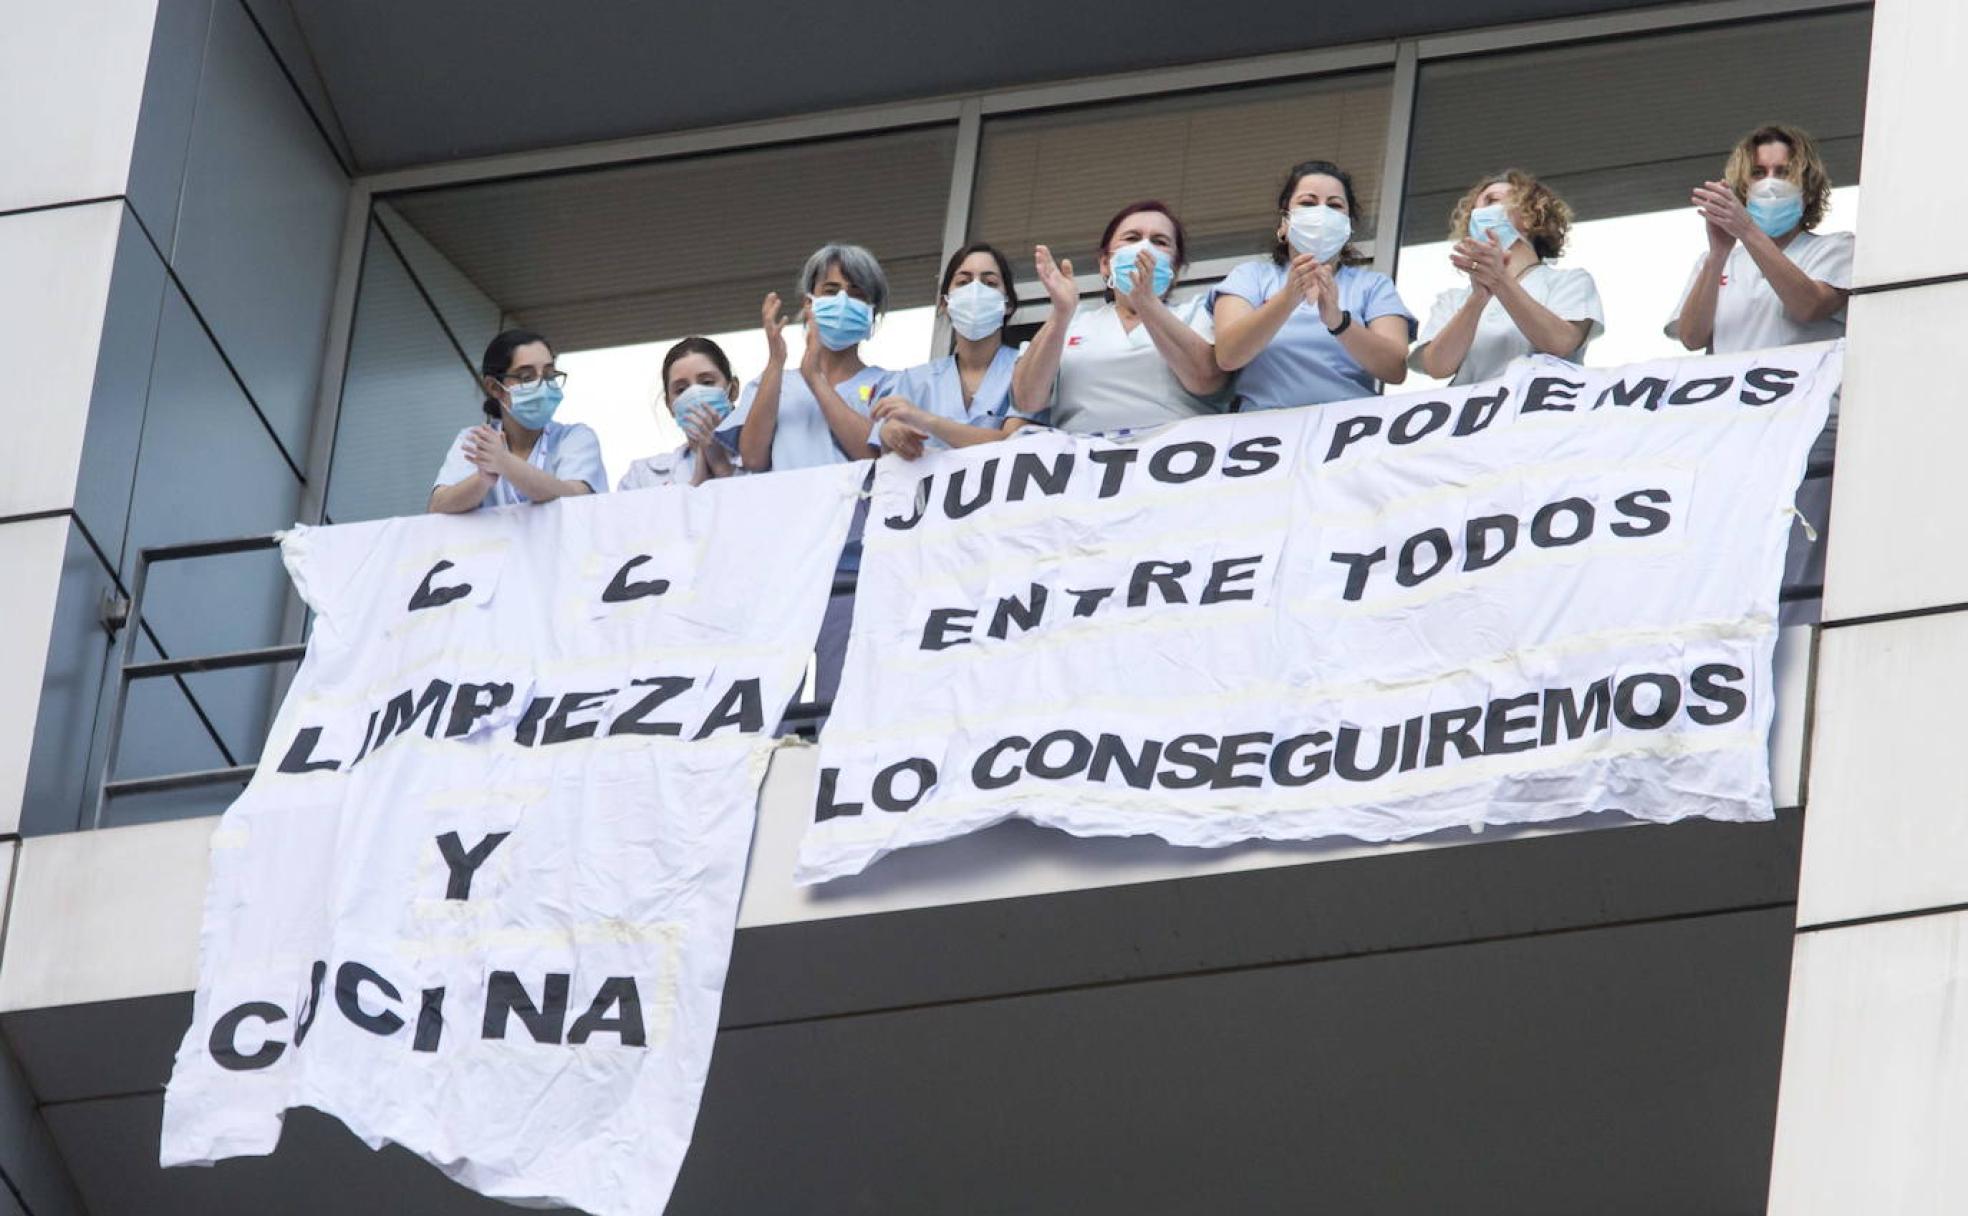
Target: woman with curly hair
(1507, 230)
(1768, 278)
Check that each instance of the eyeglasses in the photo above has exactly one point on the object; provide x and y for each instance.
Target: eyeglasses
(526, 376)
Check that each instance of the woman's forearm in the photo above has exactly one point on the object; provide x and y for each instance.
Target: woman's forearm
(1382, 354)
(762, 420)
(1037, 370)
(1242, 332)
(1697, 326)
(1548, 332)
(460, 496)
(1442, 355)
(1188, 354)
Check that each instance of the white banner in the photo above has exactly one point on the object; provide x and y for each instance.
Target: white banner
(1524, 600)
(479, 898)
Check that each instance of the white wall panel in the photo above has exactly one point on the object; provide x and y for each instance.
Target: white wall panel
(1896, 503)
(69, 98)
(103, 915)
(1914, 182)
(31, 553)
(56, 269)
(1874, 1110)
(1886, 831)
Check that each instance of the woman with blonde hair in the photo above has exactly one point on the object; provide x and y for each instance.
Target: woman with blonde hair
(1768, 277)
(1507, 229)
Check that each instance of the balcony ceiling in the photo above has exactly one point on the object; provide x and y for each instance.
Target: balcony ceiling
(419, 81)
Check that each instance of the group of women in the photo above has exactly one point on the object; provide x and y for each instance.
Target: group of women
(1310, 324)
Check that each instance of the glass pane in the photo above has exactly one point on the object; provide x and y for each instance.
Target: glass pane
(1216, 158)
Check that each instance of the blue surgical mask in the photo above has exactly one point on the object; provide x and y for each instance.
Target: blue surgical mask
(1319, 230)
(1493, 218)
(1120, 274)
(842, 320)
(1775, 206)
(706, 396)
(533, 405)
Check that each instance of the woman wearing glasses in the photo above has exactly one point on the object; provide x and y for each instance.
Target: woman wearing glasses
(519, 453)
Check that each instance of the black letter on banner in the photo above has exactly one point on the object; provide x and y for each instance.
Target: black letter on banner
(1078, 749)
(1357, 565)
(824, 806)
(467, 709)
(1628, 712)
(1711, 683)
(559, 730)
(1647, 391)
(1159, 574)
(1281, 757)
(1562, 709)
(1476, 553)
(529, 722)
(953, 504)
(1557, 391)
(348, 998)
(1197, 753)
(1436, 416)
(883, 793)
(1541, 532)
(311, 1005)
(1772, 383)
(740, 706)
(981, 775)
(1114, 463)
(620, 590)
(297, 759)
(627, 1025)
(504, 994)
(1346, 754)
(224, 1043)
(399, 714)
(1452, 727)
(1026, 615)
(1479, 412)
(902, 523)
(1407, 572)
(1260, 450)
(1030, 469)
(1111, 753)
(942, 623)
(1497, 724)
(1225, 572)
(661, 690)
(1160, 465)
(426, 596)
(368, 737)
(1643, 505)
(1084, 602)
(1709, 389)
(464, 864)
(1351, 431)
(1230, 753)
(430, 1021)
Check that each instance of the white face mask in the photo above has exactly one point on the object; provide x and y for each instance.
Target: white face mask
(1318, 230)
(977, 310)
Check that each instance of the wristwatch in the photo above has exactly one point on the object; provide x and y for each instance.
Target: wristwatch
(1345, 319)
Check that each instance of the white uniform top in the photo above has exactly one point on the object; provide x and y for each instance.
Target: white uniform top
(1748, 314)
(1569, 293)
(802, 439)
(663, 469)
(568, 450)
(1111, 377)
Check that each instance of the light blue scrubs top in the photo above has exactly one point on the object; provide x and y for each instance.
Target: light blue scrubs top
(1305, 365)
(803, 440)
(568, 450)
(937, 387)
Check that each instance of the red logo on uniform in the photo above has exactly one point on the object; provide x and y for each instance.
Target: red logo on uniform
(1076, 339)
(1724, 281)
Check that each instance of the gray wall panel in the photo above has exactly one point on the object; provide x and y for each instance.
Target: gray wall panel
(405, 398)
(170, 100)
(261, 224)
(58, 770)
(472, 316)
(122, 385)
(28, 1152)
(276, 20)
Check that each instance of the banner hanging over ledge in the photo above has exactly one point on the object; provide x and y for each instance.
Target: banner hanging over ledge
(479, 898)
(1518, 601)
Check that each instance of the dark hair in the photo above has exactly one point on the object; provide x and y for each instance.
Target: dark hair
(1281, 249)
(694, 346)
(1147, 204)
(498, 360)
(1004, 270)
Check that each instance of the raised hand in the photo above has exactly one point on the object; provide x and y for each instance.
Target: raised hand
(815, 348)
(1728, 221)
(902, 439)
(1483, 261)
(1302, 278)
(486, 448)
(699, 426)
(1327, 289)
(1057, 279)
(1141, 288)
(774, 325)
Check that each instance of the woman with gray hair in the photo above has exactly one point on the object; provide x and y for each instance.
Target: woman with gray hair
(821, 415)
